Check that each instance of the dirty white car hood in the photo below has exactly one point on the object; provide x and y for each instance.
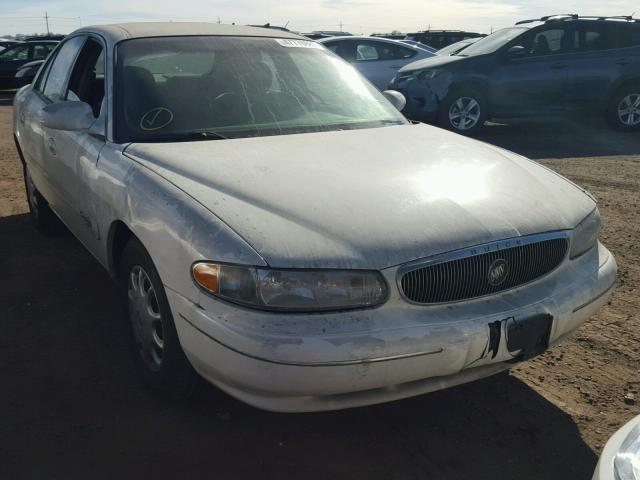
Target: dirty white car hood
(369, 198)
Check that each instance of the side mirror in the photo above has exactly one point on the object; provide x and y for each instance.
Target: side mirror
(67, 116)
(517, 51)
(396, 98)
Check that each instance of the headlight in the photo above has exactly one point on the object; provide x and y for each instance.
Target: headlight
(291, 290)
(427, 74)
(585, 235)
(626, 464)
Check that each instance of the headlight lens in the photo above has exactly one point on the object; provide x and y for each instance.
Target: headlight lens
(585, 235)
(427, 74)
(291, 290)
(627, 462)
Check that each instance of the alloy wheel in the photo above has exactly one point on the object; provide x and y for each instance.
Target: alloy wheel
(145, 317)
(629, 110)
(464, 113)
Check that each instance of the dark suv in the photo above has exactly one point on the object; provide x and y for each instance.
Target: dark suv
(441, 38)
(553, 64)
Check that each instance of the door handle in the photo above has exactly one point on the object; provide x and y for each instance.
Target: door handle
(559, 66)
(51, 145)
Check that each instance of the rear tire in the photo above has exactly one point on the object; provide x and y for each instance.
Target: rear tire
(41, 214)
(624, 109)
(463, 111)
(159, 356)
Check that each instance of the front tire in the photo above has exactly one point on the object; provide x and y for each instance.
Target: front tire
(159, 356)
(624, 109)
(463, 111)
(41, 214)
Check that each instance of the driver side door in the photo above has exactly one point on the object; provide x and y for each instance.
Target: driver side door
(71, 156)
(537, 81)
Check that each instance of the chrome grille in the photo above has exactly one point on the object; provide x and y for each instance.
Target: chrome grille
(467, 275)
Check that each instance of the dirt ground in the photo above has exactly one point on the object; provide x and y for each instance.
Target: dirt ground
(71, 405)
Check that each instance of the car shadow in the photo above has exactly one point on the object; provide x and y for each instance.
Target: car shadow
(6, 97)
(588, 136)
(74, 407)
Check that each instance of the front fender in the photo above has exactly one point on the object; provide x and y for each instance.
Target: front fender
(175, 229)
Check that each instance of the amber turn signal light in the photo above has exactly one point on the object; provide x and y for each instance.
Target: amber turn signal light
(206, 275)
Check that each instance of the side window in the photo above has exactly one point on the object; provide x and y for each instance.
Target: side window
(40, 52)
(549, 41)
(366, 52)
(406, 52)
(86, 83)
(16, 53)
(629, 36)
(54, 88)
(332, 46)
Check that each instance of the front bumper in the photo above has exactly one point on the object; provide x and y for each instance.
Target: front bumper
(309, 362)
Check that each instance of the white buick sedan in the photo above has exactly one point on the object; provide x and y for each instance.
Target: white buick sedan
(281, 230)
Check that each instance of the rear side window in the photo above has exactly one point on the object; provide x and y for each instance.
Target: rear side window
(16, 53)
(630, 37)
(599, 36)
(40, 52)
(54, 87)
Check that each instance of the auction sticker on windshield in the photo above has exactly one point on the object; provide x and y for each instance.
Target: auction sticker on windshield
(298, 43)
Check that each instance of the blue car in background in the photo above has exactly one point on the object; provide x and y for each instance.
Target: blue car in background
(549, 65)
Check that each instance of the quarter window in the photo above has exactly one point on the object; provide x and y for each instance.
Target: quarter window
(56, 81)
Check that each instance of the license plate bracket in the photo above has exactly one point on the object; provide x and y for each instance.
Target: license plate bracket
(528, 336)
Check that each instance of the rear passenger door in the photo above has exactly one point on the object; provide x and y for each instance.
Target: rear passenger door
(603, 57)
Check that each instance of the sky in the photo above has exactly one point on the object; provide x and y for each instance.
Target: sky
(355, 16)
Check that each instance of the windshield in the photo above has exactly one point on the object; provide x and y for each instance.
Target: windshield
(184, 88)
(493, 42)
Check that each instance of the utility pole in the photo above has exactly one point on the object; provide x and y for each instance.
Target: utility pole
(218, 20)
(340, 24)
(46, 19)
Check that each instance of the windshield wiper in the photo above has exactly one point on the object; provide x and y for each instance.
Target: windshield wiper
(190, 136)
(209, 134)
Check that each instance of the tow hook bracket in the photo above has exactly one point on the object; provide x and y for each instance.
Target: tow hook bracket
(495, 332)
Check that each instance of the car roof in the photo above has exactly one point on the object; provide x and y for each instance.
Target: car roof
(362, 37)
(123, 31)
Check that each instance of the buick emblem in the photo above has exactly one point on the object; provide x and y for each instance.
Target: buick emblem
(498, 272)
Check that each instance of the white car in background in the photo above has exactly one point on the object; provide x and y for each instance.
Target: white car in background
(620, 459)
(378, 59)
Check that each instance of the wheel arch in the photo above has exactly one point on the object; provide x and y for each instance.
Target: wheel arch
(622, 83)
(19, 149)
(473, 83)
(118, 236)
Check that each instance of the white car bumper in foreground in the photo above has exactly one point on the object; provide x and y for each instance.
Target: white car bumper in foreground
(608, 467)
(310, 362)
